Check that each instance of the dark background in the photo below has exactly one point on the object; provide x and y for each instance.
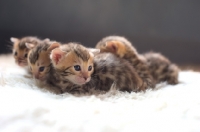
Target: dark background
(168, 26)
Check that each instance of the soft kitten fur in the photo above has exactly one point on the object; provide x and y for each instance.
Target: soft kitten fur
(38, 58)
(20, 51)
(78, 69)
(158, 66)
(121, 47)
(40, 64)
(161, 68)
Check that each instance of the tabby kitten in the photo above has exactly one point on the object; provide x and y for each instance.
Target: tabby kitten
(20, 51)
(158, 66)
(38, 58)
(80, 69)
(121, 47)
(40, 64)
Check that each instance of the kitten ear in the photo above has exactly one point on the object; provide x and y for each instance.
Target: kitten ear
(56, 55)
(112, 46)
(94, 51)
(29, 45)
(53, 46)
(14, 40)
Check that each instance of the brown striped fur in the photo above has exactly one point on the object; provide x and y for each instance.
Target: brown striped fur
(20, 51)
(39, 56)
(123, 48)
(70, 55)
(107, 69)
(160, 68)
(39, 61)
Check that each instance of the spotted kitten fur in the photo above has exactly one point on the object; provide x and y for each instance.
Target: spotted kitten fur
(77, 69)
(40, 64)
(160, 68)
(121, 47)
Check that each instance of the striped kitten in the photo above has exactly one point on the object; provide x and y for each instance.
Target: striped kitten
(38, 58)
(20, 51)
(40, 64)
(80, 69)
(158, 66)
(121, 47)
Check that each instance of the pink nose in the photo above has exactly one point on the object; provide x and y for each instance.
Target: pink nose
(19, 61)
(85, 75)
(85, 78)
(36, 76)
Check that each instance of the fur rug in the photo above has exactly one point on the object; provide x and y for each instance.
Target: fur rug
(25, 107)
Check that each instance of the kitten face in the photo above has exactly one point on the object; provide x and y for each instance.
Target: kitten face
(20, 53)
(41, 67)
(39, 61)
(75, 65)
(20, 50)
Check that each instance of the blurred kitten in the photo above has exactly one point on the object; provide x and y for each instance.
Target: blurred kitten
(40, 64)
(122, 48)
(158, 66)
(20, 51)
(38, 58)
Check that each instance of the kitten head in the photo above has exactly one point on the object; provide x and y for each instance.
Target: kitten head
(38, 59)
(20, 51)
(74, 62)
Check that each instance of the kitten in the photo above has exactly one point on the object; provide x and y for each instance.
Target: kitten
(121, 47)
(159, 66)
(40, 64)
(80, 69)
(20, 51)
(38, 58)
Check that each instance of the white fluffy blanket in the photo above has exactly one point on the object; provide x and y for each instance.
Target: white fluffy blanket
(24, 107)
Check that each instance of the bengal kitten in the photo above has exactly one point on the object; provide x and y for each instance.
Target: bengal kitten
(38, 58)
(158, 66)
(123, 48)
(40, 64)
(80, 69)
(20, 51)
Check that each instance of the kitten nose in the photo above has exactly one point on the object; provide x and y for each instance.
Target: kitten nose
(20, 58)
(36, 76)
(85, 78)
(85, 75)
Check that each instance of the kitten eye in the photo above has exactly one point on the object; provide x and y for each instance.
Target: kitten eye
(77, 67)
(15, 53)
(41, 69)
(89, 68)
(25, 55)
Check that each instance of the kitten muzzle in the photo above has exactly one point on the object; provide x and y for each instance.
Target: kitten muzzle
(82, 80)
(22, 63)
(38, 77)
